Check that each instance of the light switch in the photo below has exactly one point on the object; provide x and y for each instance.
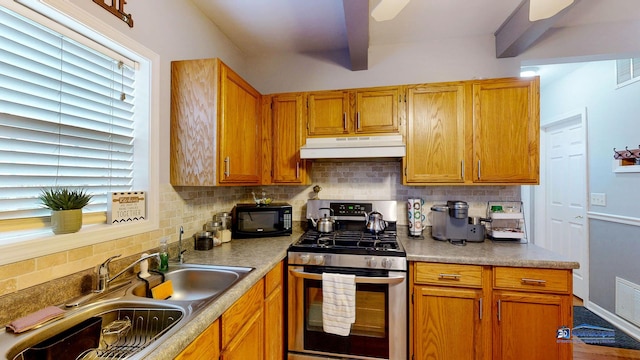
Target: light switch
(598, 199)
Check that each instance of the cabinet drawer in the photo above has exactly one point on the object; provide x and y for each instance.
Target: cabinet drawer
(273, 279)
(236, 317)
(448, 274)
(540, 280)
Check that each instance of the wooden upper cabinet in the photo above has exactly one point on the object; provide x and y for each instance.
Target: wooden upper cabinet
(367, 111)
(287, 136)
(473, 132)
(193, 122)
(377, 110)
(328, 113)
(435, 134)
(506, 131)
(239, 130)
(215, 126)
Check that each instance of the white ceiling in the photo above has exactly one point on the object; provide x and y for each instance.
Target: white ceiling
(261, 27)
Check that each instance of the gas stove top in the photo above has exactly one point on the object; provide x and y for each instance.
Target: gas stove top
(350, 242)
(350, 239)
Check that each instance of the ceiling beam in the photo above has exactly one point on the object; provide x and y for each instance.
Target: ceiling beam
(517, 33)
(356, 17)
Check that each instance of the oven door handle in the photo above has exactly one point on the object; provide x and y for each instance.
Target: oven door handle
(391, 280)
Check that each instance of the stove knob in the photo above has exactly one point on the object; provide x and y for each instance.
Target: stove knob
(319, 259)
(371, 262)
(386, 263)
(304, 258)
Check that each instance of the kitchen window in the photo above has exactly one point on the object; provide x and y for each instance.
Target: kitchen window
(76, 110)
(627, 71)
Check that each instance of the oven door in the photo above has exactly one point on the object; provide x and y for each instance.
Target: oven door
(380, 329)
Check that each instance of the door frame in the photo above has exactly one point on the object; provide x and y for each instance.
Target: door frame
(538, 194)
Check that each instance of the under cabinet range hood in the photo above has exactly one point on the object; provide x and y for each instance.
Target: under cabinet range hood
(384, 146)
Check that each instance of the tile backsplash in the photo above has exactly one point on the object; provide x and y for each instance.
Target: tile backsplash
(191, 207)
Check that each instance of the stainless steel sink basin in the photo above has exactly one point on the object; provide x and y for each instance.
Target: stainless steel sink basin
(122, 323)
(197, 282)
(104, 330)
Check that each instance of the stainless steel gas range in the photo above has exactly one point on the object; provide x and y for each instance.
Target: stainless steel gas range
(342, 240)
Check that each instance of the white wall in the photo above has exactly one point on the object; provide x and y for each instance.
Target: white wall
(175, 30)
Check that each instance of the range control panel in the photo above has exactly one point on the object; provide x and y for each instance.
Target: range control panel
(351, 209)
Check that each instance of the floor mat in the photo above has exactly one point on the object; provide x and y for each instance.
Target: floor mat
(594, 330)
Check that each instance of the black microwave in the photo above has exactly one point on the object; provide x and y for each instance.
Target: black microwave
(250, 220)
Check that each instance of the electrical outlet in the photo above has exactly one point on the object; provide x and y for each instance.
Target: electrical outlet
(598, 199)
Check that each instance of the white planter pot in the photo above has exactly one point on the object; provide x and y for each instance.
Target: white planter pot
(66, 221)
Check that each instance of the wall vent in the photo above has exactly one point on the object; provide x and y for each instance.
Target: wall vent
(628, 300)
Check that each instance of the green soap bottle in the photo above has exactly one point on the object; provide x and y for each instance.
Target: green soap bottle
(164, 255)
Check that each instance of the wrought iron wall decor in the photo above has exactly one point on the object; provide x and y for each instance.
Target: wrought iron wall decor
(116, 7)
(626, 154)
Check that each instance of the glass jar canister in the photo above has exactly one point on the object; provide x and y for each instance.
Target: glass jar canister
(225, 225)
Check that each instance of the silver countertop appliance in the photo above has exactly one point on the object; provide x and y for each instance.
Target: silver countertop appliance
(452, 222)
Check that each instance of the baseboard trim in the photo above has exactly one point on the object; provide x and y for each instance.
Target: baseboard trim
(614, 319)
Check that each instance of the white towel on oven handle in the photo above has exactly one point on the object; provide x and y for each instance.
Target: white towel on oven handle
(338, 303)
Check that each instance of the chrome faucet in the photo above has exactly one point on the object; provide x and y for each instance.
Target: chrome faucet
(180, 251)
(103, 270)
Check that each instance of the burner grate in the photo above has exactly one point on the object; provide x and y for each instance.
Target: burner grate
(349, 239)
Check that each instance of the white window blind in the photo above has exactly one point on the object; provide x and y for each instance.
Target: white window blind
(627, 71)
(66, 118)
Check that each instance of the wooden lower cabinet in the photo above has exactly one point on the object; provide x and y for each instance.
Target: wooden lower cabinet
(450, 323)
(489, 312)
(248, 343)
(205, 347)
(526, 325)
(274, 314)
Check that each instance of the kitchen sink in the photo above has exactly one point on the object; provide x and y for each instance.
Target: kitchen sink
(123, 323)
(104, 330)
(196, 282)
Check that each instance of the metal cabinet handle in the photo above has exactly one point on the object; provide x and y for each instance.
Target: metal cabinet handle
(533, 281)
(358, 120)
(499, 310)
(227, 166)
(480, 303)
(344, 121)
(479, 170)
(462, 169)
(297, 169)
(449, 276)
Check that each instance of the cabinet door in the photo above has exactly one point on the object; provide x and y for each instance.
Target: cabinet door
(435, 134)
(377, 111)
(239, 130)
(526, 325)
(506, 131)
(274, 313)
(205, 347)
(448, 323)
(249, 341)
(287, 138)
(193, 122)
(328, 113)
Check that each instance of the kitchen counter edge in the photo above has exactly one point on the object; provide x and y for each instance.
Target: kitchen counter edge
(261, 253)
(488, 252)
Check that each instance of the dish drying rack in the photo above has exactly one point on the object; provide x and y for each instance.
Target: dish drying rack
(507, 221)
(127, 331)
(132, 331)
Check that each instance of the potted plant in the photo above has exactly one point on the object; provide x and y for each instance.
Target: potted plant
(66, 208)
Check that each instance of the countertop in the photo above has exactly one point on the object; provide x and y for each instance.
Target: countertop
(264, 253)
(496, 253)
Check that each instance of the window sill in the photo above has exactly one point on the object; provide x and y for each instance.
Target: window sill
(22, 245)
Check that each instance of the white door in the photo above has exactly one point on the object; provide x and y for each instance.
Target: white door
(565, 222)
